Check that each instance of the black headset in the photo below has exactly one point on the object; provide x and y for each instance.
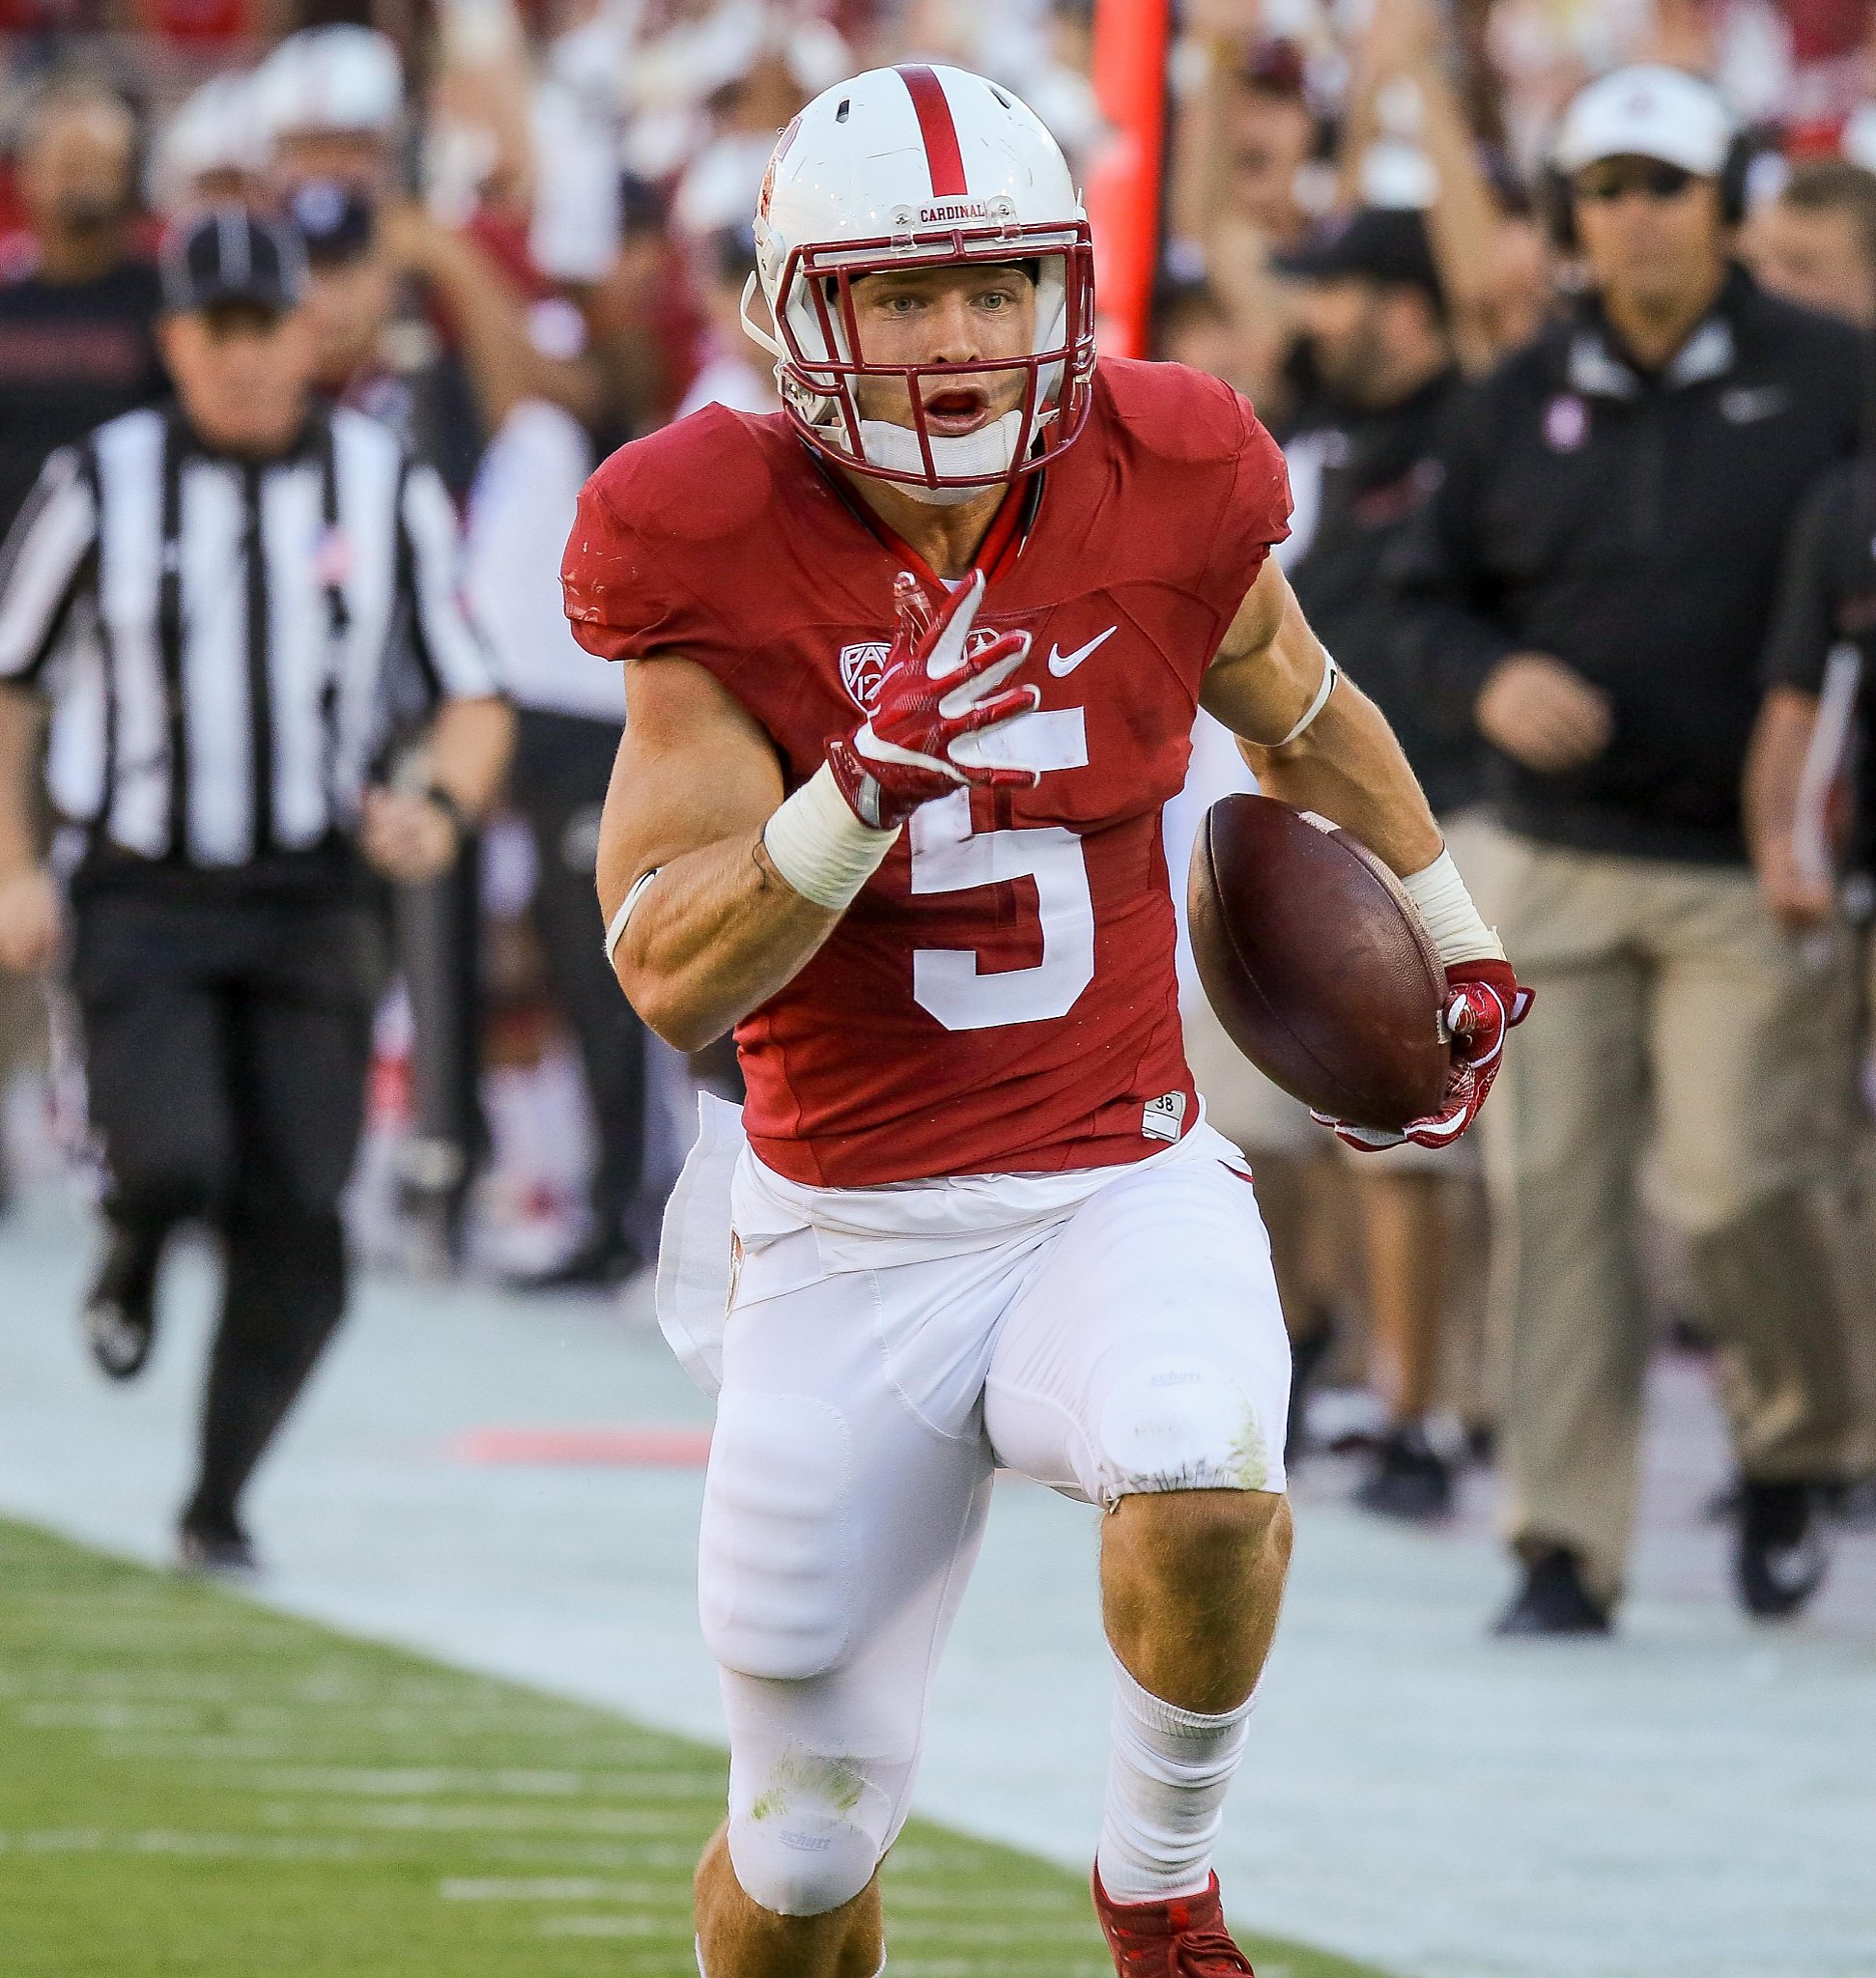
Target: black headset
(1558, 207)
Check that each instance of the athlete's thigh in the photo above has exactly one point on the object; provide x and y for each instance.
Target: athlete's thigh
(843, 1506)
(848, 1451)
(1149, 1353)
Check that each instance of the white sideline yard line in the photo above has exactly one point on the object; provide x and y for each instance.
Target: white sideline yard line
(206, 1847)
(1694, 1800)
(550, 1888)
(402, 1783)
(679, 1927)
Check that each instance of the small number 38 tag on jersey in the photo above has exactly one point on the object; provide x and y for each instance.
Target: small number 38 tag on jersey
(1160, 1118)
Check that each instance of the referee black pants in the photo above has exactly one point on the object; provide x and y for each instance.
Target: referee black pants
(227, 1046)
(558, 784)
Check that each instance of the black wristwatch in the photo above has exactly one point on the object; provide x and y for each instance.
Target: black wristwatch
(458, 822)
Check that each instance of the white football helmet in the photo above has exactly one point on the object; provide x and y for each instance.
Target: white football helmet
(922, 167)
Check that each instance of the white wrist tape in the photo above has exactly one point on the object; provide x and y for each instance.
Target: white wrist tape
(616, 927)
(1441, 899)
(820, 847)
(1330, 670)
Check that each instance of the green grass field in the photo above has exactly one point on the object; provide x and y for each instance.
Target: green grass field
(192, 1787)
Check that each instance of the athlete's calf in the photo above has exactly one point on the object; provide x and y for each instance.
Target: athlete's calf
(1191, 1584)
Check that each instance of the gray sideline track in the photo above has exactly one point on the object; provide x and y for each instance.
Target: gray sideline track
(1693, 1799)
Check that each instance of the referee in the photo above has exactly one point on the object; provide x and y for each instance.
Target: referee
(233, 605)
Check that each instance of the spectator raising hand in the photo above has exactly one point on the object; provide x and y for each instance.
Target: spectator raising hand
(488, 315)
(1408, 142)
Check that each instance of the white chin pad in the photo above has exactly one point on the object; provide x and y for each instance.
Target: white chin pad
(979, 459)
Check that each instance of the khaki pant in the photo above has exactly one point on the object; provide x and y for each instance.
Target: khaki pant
(1671, 1017)
(1858, 1285)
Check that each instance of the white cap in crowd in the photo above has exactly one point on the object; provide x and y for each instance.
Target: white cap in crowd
(1647, 111)
(219, 129)
(689, 62)
(337, 78)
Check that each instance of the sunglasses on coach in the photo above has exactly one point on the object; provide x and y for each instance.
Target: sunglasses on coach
(1603, 186)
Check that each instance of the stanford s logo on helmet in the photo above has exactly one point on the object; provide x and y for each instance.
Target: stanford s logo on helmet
(918, 167)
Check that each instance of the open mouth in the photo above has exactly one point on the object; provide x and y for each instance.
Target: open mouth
(955, 409)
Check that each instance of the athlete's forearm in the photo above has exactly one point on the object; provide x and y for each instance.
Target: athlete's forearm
(1348, 766)
(712, 937)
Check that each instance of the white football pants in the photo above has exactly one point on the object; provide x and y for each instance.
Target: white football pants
(1131, 1344)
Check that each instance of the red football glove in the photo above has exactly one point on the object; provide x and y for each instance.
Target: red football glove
(1484, 1000)
(933, 691)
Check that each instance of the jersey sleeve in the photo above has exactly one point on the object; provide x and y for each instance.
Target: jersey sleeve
(1803, 624)
(625, 598)
(1204, 487)
(1255, 515)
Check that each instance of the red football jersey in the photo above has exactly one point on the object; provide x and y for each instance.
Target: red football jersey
(1000, 998)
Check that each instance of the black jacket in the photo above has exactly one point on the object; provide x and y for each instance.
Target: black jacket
(1634, 527)
(1358, 478)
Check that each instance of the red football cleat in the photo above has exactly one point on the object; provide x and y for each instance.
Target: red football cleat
(1184, 1937)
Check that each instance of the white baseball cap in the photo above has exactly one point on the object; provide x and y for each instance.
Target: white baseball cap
(217, 130)
(336, 79)
(1647, 111)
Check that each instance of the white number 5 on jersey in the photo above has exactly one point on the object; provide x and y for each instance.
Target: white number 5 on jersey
(948, 857)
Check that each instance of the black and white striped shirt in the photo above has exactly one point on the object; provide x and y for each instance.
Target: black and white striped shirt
(227, 643)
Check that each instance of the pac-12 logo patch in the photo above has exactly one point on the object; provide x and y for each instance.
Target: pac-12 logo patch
(862, 669)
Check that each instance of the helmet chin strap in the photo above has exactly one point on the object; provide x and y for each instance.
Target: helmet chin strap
(978, 460)
(753, 329)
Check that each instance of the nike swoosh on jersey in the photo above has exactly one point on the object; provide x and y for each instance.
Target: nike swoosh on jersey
(1062, 664)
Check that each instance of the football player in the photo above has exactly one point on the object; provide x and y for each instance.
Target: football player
(912, 668)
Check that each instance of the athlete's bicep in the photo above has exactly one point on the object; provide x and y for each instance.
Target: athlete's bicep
(694, 769)
(1268, 668)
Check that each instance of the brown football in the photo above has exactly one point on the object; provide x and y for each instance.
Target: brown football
(1316, 964)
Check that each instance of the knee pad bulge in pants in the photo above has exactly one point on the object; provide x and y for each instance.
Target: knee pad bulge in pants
(812, 1834)
(775, 1572)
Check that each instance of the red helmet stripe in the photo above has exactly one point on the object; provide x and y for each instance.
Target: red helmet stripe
(936, 128)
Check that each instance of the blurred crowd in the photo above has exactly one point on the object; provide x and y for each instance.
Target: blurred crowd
(527, 224)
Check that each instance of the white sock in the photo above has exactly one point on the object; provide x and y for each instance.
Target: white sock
(1167, 1776)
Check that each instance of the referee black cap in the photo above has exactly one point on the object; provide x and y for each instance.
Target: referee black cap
(228, 255)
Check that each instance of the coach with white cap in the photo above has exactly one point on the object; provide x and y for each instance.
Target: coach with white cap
(1594, 576)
